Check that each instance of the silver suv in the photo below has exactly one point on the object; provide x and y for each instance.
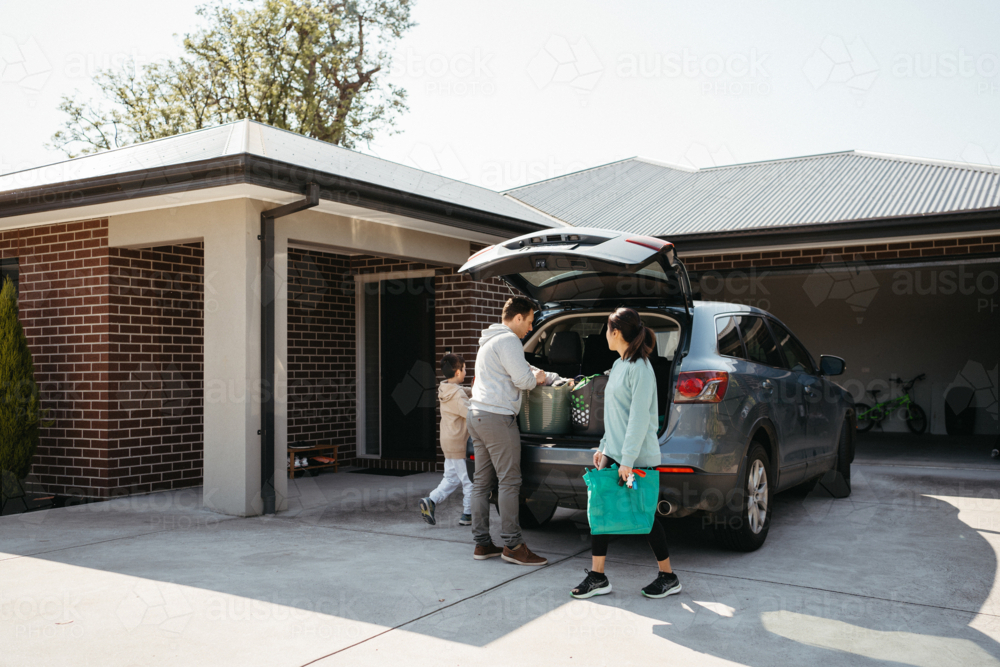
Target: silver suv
(745, 411)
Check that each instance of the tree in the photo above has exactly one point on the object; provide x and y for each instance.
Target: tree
(315, 67)
(20, 405)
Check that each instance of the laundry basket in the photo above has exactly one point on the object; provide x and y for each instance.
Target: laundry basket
(545, 411)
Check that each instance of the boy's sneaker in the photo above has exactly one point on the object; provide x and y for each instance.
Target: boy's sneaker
(596, 583)
(427, 510)
(666, 584)
(521, 555)
(489, 551)
(465, 520)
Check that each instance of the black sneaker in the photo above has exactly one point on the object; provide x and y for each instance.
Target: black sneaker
(666, 584)
(427, 510)
(596, 583)
(465, 520)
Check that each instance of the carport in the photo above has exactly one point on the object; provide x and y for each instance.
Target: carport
(140, 277)
(890, 262)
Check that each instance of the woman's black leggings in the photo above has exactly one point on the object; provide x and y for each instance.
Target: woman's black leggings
(657, 539)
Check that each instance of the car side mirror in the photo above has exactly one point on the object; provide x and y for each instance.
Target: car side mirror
(831, 365)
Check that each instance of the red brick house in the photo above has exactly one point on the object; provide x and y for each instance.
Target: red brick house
(139, 277)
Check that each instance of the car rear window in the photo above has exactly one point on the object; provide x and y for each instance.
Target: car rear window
(760, 345)
(729, 337)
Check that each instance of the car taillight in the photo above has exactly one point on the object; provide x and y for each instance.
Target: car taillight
(472, 257)
(701, 386)
(648, 242)
(667, 469)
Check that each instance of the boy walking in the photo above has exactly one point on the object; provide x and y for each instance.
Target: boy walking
(454, 435)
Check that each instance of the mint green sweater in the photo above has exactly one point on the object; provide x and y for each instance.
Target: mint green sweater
(630, 418)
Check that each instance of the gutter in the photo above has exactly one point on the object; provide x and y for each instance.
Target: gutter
(267, 299)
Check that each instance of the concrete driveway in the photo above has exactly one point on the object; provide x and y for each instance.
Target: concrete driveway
(902, 572)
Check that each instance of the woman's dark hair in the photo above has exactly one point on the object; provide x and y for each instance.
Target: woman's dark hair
(639, 337)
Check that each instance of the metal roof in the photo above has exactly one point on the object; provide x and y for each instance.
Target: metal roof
(643, 196)
(253, 138)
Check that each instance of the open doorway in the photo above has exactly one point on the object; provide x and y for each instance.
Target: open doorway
(398, 385)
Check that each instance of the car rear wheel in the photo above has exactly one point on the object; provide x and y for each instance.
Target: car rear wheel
(864, 423)
(746, 529)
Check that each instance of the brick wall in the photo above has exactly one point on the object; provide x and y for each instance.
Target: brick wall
(322, 381)
(156, 368)
(63, 300)
(116, 337)
(846, 253)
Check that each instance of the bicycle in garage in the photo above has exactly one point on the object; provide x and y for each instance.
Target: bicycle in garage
(916, 418)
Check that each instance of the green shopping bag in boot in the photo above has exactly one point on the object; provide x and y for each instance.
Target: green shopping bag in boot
(619, 510)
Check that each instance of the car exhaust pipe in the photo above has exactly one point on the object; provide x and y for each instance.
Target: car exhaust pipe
(665, 508)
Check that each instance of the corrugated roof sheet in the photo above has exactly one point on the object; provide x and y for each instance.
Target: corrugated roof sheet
(643, 196)
(259, 139)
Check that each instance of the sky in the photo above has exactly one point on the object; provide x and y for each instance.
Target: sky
(504, 94)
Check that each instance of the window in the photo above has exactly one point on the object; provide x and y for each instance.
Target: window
(9, 269)
(728, 332)
(796, 357)
(666, 342)
(760, 345)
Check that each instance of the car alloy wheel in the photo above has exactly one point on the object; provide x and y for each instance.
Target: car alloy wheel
(757, 496)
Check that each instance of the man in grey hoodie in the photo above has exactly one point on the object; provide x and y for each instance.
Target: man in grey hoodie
(501, 374)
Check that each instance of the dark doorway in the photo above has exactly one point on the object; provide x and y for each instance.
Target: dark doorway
(407, 379)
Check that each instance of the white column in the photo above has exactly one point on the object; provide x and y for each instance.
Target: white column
(232, 362)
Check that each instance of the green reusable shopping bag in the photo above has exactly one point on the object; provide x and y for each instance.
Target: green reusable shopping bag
(619, 510)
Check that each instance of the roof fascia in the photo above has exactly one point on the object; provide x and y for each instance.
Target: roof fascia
(254, 170)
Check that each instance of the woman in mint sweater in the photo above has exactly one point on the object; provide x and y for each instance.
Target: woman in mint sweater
(630, 422)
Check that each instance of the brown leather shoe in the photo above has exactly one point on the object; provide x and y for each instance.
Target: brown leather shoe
(521, 555)
(489, 551)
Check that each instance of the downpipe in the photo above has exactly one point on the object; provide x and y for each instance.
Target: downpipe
(267, 298)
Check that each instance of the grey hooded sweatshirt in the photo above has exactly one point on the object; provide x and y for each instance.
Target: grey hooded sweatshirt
(502, 373)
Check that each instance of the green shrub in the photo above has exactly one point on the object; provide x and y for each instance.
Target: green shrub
(20, 406)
